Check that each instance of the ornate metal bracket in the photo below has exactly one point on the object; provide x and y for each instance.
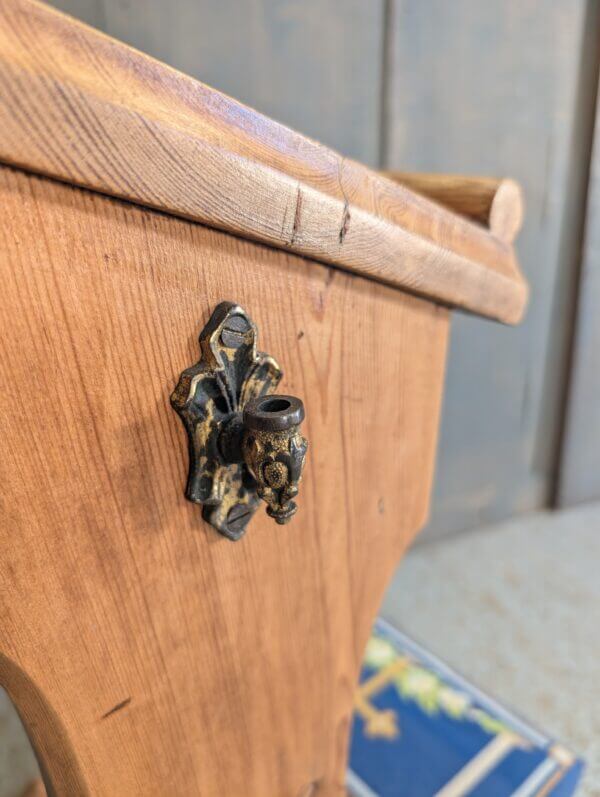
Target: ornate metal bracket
(244, 442)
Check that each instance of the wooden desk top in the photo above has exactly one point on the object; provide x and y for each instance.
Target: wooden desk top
(83, 108)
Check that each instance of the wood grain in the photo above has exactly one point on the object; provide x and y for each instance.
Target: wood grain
(80, 107)
(35, 789)
(495, 203)
(146, 654)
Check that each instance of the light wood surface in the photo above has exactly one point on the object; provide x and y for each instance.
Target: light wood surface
(85, 109)
(35, 789)
(495, 203)
(146, 654)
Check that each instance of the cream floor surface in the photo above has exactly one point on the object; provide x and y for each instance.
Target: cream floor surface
(514, 607)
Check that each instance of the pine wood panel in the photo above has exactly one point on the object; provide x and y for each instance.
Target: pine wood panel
(83, 108)
(495, 203)
(146, 654)
(500, 88)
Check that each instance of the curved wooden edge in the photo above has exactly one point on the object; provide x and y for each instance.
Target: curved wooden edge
(78, 106)
(496, 203)
(35, 789)
(44, 729)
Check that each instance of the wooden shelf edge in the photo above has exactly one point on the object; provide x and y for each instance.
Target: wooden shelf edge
(80, 107)
(497, 203)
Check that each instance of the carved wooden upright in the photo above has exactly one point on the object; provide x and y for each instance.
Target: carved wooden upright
(147, 653)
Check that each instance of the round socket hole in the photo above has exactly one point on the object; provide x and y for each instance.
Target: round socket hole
(275, 405)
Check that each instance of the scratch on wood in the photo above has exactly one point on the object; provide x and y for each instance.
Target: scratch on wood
(346, 214)
(283, 223)
(310, 789)
(116, 708)
(345, 222)
(296, 225)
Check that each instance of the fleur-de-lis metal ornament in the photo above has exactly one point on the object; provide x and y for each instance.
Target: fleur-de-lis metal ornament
(244, 442)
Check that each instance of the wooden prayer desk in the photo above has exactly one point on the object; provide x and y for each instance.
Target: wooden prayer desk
(146, 652)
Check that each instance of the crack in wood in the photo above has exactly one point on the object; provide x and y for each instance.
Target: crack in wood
(116, 708)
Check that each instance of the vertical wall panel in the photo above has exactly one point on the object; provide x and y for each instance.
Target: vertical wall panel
(312, 64)
(494, 88)
(579, 475)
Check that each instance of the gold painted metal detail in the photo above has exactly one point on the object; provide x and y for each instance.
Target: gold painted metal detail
(274, 451)
(244, 442)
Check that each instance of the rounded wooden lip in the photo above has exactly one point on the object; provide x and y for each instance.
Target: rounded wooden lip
(97, 114)
(496, 203)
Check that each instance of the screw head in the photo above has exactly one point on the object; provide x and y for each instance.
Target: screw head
(233, 332)
(237, 519)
